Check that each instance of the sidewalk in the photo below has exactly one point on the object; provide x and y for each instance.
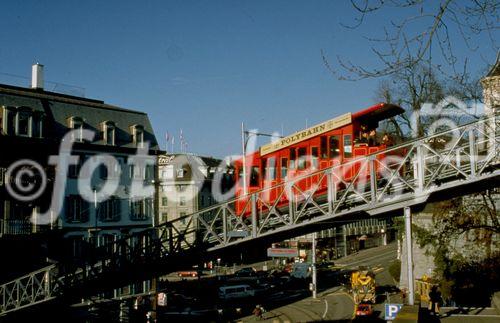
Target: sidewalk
(332, 304)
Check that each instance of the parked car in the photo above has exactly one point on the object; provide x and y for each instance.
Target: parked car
(246, 272)
(188, 273)
(236, 291)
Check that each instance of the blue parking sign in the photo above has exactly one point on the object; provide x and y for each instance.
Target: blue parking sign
(391, 310)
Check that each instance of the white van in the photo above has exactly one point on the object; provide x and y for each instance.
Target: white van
(236, 291)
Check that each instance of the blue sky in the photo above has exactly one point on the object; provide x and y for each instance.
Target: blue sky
(203, 66)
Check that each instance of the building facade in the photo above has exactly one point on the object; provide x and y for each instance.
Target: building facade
(185, 187)
(33, 125)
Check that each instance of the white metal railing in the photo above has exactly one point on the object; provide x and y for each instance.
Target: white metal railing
(378, 182)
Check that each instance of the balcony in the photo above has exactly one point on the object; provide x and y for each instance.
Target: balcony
(16, 227)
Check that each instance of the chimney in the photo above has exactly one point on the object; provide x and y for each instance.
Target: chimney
(37, 76)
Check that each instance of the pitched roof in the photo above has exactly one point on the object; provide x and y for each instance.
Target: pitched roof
(495, 69)
(59, 108)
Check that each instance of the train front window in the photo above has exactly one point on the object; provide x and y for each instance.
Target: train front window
(347, 146)
(254, 176)
(323, 147)
(292, 158)
(284, 168)
(301, 160)
(314, 155)
(334, 146)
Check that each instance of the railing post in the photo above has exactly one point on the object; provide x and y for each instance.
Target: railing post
(373, 180)
(254, 215)
(224, 225)
(330, 185)
(472, 153)
(420, 168)
(291, 202)
(409, 254)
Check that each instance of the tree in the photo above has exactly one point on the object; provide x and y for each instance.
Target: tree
(465, 246)
(423, 33)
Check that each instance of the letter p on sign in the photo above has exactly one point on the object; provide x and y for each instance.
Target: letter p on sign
(391, 310)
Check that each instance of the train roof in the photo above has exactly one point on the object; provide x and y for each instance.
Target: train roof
(370, 115)
(378, 113)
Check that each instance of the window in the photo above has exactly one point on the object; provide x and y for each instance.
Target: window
(138, 135)
(323, 147)
(180, 172)
(181, 188)
(23, 123)
(168, 172)
(182, 201)
(109, 133)
(164, 201)
(77, 209)
(182, 215)
(149, 172)
(254, 176)
(142, 209)
(11, 122)
(37, 127)
(271, 168)
(109, 210)
(164, 217)
(76, 123)
(284, 167)
(347, 146)
(334, 146)
(314, 155)
(74, 170)
(292, 158)
(301, 160)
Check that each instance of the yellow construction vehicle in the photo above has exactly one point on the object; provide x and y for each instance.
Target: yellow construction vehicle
(363, 286)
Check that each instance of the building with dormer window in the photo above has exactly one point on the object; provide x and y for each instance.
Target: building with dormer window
(33, 122)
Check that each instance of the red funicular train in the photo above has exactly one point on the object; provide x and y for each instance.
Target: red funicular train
(333, 142)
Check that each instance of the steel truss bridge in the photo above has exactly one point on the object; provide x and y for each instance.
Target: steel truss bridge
(446, 164)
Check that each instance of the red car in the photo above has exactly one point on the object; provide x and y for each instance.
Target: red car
(364, 310)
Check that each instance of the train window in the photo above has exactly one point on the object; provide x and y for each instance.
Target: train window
(284, 167)
(323, 147)
(347, 146)
(254, 176)
(271, 168)
(314, 155)
(292, 158)
(263, 165)
(301, 158)
(334, 146)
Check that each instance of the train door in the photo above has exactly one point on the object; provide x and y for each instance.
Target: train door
(270, 178)
(283, 172)
(347, 155)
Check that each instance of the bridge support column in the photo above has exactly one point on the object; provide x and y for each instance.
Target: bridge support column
(409, 253)
(314, 273)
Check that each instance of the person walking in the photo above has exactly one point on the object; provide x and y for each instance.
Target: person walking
(257, 311)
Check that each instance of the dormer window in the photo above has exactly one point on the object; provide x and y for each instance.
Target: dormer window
(76, 123)
(109, 133)
(138, 135)
(23, 122)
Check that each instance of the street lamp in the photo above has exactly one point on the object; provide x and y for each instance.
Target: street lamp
(245, 136)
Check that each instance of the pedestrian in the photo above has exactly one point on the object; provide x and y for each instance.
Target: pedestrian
(257, 311)
(434, 299)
